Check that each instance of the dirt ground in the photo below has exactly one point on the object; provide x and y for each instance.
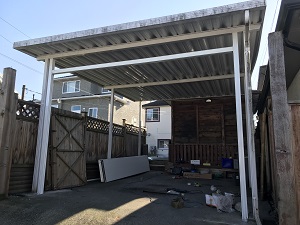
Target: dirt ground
(126, 201)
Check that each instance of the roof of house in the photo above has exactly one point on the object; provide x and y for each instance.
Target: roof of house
(156, 103)
(185, 55)
(288, 24)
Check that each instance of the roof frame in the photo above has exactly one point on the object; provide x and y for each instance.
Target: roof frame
(155, 41)
(208, 78)
(211, 69)
(144, 60)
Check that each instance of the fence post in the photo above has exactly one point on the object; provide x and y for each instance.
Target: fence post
(124, 139)
(8, 105)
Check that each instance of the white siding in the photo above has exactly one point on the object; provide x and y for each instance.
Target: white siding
(159, 130)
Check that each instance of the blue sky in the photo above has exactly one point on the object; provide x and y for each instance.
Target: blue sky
(22, 20)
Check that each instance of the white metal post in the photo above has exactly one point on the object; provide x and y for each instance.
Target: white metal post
(111, 123)
(239, 120)
(140, 129)
(246, 88)
(249, 123)
(43, 130)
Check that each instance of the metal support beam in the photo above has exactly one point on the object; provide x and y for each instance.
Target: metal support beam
(249, 122)
(155, 41)
(145, 60)
(43, 130)
(239, 120)
(140, 129)
(111, 124)
(168, 82)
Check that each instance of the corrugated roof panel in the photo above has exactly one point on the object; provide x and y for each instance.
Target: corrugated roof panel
(158, 30)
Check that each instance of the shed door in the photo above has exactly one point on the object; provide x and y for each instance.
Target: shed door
(67, 153)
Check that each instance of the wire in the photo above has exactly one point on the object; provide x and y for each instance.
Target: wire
(6, 39)
(14, 27)
(33, 91)
(22, 63)
(28, 67)
(85, 91)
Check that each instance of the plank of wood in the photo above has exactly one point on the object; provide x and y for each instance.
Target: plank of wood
(262, 119)
(269, 140)
(282, 131)
(295, 111)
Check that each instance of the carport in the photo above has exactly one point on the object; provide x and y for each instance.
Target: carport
(199, 54)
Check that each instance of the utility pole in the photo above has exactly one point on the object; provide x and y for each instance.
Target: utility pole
(23, 91)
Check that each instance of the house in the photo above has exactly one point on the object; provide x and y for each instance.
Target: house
(78, 95)
(158, 125)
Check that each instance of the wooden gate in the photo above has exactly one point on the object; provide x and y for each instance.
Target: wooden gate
(67, 150)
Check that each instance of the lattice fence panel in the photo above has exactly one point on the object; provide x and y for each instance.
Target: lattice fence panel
(28, 110)
(103, 126)
(134, 130)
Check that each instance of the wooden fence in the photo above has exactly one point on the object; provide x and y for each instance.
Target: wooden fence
(23, 147)
(125, 143)
(65, 147)
(295, 115)
(211, 153)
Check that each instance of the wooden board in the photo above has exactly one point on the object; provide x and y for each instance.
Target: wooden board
(20, 178)
(191, 175)
(295, 110)
(118, 168)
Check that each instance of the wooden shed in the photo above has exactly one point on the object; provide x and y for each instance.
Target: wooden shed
(205, 130)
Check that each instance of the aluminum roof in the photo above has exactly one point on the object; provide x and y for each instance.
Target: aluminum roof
(168, 36)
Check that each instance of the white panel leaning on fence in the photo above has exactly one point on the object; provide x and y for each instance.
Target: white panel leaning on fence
(118, 168)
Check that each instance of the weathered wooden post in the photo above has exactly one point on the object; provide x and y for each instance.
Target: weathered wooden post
(285, 181)
(8, 107)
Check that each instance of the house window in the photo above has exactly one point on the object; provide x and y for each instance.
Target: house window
(93, 112)
(76, 108)
(105, 90)
(71, 86)
(163, 143)
(152, 114)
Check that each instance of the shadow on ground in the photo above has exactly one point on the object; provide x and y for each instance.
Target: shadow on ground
(122, 202)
